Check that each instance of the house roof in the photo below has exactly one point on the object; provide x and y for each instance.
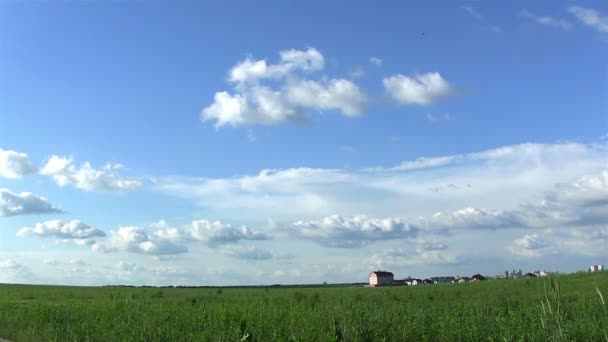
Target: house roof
(382, 273)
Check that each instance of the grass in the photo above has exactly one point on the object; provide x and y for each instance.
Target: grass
(568, 307)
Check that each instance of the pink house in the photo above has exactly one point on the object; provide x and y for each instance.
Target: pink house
(380, 278)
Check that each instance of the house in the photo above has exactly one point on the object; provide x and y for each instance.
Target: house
(443, 280)
(428, 282)
(380, 278)
(413, 281)
(478, 277)
(463, 280)
(399, 282)
(596, 268)
(530, 275)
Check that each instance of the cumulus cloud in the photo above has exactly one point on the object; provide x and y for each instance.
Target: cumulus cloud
(422, 89)
(74, 229)
(64, 172)
(590, 17)
(164, 241)
(583, 202)
(267, 93)
(475, 218)
(215, 233)
(546, 20)
(530, 245)
(348, 232)
(13, 204)
(15, 164)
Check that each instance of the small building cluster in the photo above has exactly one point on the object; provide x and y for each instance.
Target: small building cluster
(519, 274)
(385, 278)
(596, 268)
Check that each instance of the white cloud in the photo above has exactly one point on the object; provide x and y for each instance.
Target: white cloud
(530, 245)
(590, 17)
(334, 94)
(163, 241)
(292, 98)
(357, 231)
(422, 89)
(62, 230)
(472, 12)
(475, 218)
(546, 20)
(13, 204)
(215, 233)
(524, 171)
(425, 163)
(64, 172)
(15, 164)
(376, 61)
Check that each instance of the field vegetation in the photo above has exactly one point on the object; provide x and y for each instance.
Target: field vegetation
(570, 307)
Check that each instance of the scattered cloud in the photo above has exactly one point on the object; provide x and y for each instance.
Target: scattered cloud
(163, 241)
(275, 93)
(472, 12)
(590, 17)
(524, 171)
(375, 61)
(349, 232)
(13, 204)
(475, 218)
(15, 165)
(530, 245)
(422, 89)
(64, 172)
(62, 230)
(215, 233)
(546, 20)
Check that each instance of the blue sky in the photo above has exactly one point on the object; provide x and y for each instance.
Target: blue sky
(344, 136)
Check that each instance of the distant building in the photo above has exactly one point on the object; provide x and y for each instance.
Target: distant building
(596, 268)
(413, 281)
(463, 279)
(443, 280)
(477, 277)
(380, 278)
(530, 275)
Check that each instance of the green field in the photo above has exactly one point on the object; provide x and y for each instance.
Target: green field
(495, 310)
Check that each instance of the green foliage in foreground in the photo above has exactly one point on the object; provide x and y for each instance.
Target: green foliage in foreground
(564, 308)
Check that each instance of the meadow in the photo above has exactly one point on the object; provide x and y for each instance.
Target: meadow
(568, 307)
